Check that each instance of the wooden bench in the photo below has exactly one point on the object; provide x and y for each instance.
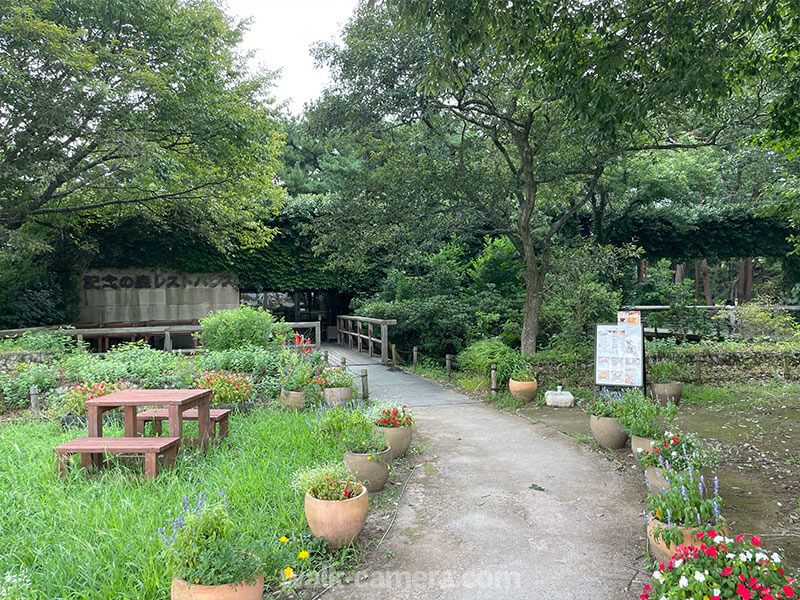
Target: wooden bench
(150, 447)
(217, 416)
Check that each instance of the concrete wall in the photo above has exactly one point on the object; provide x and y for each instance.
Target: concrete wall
(143, 295)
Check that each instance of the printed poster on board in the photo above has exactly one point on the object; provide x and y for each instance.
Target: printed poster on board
(619, 355)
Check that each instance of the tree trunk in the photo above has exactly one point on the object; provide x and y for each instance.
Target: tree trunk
(680, 272)
(748, 279)
(696, 281)
(706, 287)
(740, 283)
(533, 305)
(641, 271)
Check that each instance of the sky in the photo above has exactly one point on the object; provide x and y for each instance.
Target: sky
(281, 34)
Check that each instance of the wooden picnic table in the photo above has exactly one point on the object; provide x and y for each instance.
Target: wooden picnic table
(176, 401)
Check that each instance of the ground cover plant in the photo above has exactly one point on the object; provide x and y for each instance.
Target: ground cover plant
(96, 537)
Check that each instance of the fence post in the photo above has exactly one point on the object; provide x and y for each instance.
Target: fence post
(344, 361)
(394, 356)
(787, 368)
(325, 356)
(364, 385)
(384, 343)
(34, 393)
(448, 364)
(493, 384)
(167, 341)
(414, 356)
(318, 334)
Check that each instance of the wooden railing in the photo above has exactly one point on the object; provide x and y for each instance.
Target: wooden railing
(104, 335)
(350, 331)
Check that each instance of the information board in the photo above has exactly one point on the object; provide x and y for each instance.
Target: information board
(619, 355)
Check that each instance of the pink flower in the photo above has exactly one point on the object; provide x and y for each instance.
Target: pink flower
(727, 571)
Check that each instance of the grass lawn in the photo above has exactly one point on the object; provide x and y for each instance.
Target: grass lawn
(96, 536)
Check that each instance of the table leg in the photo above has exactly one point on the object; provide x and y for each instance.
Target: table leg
(150, 465)
(130, 421)
(203, 421)
(176, 422)
(94, 419)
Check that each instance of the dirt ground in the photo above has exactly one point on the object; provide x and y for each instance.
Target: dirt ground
(759, 437)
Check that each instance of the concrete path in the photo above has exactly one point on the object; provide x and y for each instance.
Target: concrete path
(503, 508)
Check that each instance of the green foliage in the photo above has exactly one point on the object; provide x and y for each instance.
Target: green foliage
(333, 420)
(41, 341)
(396, 416)
(74, 401)
(662, 371)
(641, 416)
(479, 357)
(242, 327)
(362, 437)
(687, 502)
(337, 377)
(225, 388)
(255, 360)
(759, 320)
(604, 406)
(299, 372)
(15, 387)
(331, 481)
(660, 288)
(202, 547)
(678, 452)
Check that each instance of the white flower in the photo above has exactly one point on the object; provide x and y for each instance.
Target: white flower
(761, 556)
(776, 558)
(674, 453)
(683, 582)
(639, 450)
(716, 592)
(657, 575)
(718, 539)
(678, 563)
(698, 576)
(730, 555)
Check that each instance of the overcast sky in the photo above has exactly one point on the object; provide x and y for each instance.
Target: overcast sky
(282, 32)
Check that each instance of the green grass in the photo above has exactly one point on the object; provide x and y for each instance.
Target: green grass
(96, 536)
(776, 392)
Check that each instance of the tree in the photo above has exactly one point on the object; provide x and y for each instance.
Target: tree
(141, 110)
(573, 94)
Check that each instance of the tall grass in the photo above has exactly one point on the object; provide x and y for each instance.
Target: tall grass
(96, 536)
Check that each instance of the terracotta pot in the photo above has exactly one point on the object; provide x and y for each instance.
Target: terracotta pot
(659, 549)
(667, 392)
(522, 390)
(372, 473)
(641, 442)
(338, 522)
(608, 432)
(398, 438)
(337, 396)
(656, 478)
(241, 591)
(293, 400)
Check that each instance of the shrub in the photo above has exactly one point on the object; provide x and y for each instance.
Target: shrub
(225, 389)
(363, 438)
(42, 341)
(337, 377)
(331, 481)
(607, 406)
(242, 327)
(74, 401)
(333, 420)
(15, 387)
(399, 416)
(641, 416)
(479, 357)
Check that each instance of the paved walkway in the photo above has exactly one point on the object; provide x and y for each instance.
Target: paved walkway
(503, 509)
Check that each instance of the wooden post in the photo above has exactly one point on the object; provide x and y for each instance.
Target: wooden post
(34, 392)
(369, 339)
(414, 356)
(318, 334)
(344, 361)
(493, 384)
(364, 385)
(349, 333)
(448, 364)
(80, 341)
(167, 341)
(384, 343)
(325, 357)
(339, 330)
(394, 356)
(358, 329)
(787, 368)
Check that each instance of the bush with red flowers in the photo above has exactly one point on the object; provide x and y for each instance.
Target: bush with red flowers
(395, 417)
(225, 389)
(721, 568)
(678, 452)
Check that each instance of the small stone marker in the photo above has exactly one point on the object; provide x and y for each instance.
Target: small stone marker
(559, 398)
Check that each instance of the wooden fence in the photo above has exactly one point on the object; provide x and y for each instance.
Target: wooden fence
(350, 330)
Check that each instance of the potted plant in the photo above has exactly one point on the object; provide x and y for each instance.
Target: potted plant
(298, 380)
(716, 566)
(663, 386)
(522, 382)
(337, 385)
(395, 424)
(677, 512)
(603, 413)
(335, 505)
(674, 454)
(74, 400)
(643, 419)
(367, 455)
(206, 555)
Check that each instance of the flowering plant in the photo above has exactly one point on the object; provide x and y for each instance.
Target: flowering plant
(603, 407)
(523, 372)
(687, 502)
(202, 547)
(361, 438)
(641, 416)
(331, 481)
(395, 417)
(720, 568)
(677, 453)
(74, 401)
(225, 389)
(337, 377)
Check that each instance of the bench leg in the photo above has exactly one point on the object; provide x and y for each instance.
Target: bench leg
(62, 460)
(170, 457)
(150, 465)
(89, 460)
(157, 430)
(223, 427)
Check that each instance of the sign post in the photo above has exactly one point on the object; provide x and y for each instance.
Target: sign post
(619, 353)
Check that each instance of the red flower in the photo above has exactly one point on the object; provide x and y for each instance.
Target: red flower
(743, 592)
(675, 440)
(726, 571)
(700, 534)
(740, 537)
(756, 540)
(788, 591)
(711, 551)
(712, 533)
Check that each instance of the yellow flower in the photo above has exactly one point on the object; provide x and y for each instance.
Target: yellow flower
(369, 458)
(284, 539)
(196, 580)
(289, 572)
(302, 554)
(363, 443)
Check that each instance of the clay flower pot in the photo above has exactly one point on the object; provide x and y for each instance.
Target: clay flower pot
(641, 442)
(608, 432)
(656, 478)
(659, 549)
(240, 591)
(338, 522)
(337, 396)
(293, 400)
(372, 473)
(667, 392)
(398, 438)
(522, 390)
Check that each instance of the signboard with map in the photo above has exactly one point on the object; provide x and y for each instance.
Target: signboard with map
(619, 354)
